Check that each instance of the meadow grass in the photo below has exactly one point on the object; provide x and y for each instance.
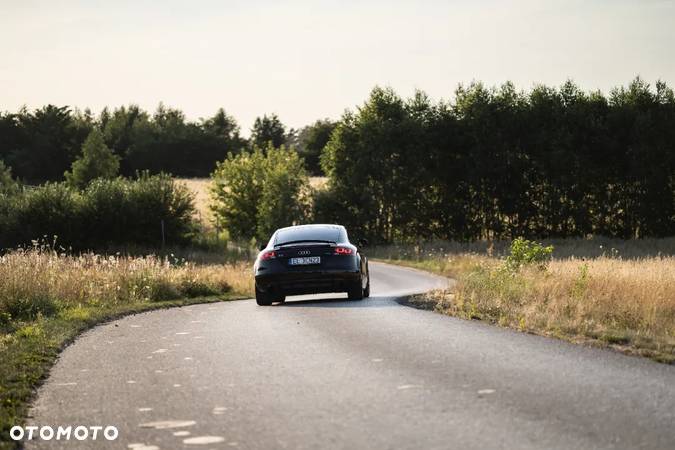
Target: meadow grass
(47, 298)
(200, 189)
(599, 291)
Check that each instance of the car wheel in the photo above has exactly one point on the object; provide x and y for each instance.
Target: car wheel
(356, 293)
(366, 291)
(262, 298)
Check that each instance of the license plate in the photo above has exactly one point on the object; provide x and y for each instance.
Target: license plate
(304, 261)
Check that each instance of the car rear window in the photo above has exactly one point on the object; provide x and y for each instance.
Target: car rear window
(331, 234)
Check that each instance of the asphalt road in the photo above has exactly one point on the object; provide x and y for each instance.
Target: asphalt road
(350, 375)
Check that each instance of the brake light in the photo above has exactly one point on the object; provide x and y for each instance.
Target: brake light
(343, 251)
(268, 255)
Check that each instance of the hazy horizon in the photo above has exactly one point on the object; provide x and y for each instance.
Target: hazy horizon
(310, 60)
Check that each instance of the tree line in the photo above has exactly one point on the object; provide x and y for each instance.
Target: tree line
(501, 163)
(493, 163)
(43, 144)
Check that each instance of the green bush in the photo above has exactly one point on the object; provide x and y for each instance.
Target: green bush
(148, 202)
(528, 253)
(326, 207)
(97, 161)
(236, 191)
(489, 293)
(255, 193)
(27, 307)
(106, 214)
(160, 289)
(8, 205)
(8, 185)
(194, 288)
(51, 212)
(106, 207)
(285, 189)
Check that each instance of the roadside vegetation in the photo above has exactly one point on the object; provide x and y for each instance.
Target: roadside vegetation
(48, 297)
(598, 291)
(94, 248)
(147, 210)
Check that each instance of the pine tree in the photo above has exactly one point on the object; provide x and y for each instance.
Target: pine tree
(97, 161)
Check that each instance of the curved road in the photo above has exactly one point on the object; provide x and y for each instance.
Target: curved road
(350, 375)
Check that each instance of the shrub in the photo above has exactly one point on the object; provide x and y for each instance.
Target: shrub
(192, 287)
(106, 208)
(326, 207)
(8, 185)
(97, 161)
(486, 293)
(106, 214)
(236, 192)
(26, 306)
(149, 202)
(255, 193)
(285, 189)
(161, 289)
(528, 253)
(52, 211)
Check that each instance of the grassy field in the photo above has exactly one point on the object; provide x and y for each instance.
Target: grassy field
(48, 298)
(200, 188)
(600, 291)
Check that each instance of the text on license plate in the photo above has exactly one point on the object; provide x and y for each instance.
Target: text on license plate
(304, 261)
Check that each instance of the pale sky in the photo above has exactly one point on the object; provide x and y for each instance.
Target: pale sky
(306, 60)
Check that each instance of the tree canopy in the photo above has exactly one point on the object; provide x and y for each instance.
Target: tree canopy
(501, 163)
(268, 130)
(311, 141)
(43, 144)
(493, 162)
(256, 192)
(97, 161)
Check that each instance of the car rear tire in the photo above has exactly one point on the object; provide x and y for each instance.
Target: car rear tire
(366, 291)
(262, 298)
(355, 293)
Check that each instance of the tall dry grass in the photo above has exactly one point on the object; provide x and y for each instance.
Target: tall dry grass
(617, 292)
(609, 295)
(621, 302)
(40, 281)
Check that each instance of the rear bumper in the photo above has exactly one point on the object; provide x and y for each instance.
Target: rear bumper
(309, 282)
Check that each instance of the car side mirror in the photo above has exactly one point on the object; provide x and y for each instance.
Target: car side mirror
(262, 247)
